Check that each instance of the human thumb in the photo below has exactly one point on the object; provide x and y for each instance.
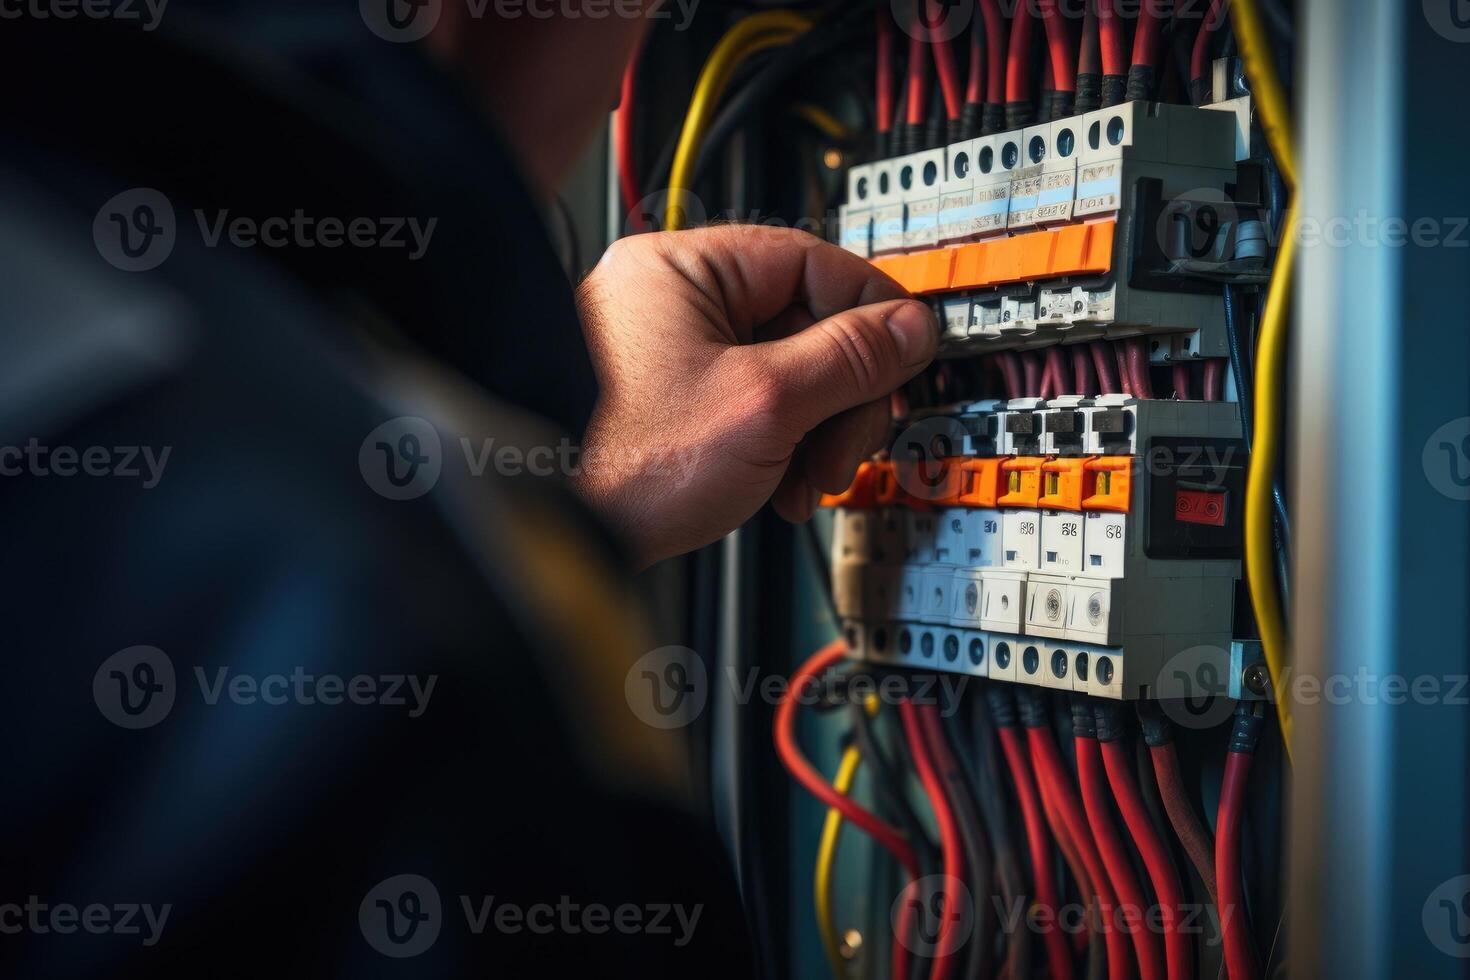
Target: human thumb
(849, 359)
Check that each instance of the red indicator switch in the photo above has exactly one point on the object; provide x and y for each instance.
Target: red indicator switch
(1200, 507)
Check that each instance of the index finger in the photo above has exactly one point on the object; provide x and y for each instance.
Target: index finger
(755, 272)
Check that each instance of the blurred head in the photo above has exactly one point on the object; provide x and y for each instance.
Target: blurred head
(548, 69)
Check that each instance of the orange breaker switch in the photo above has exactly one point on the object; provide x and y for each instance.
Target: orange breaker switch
(981, 482)
(925, 482)
(1108, 483)
(886, 491)
(1022, 481)
(862, 493)
(1062, 483)
(1072, 250)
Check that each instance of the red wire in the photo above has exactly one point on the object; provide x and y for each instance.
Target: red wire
(1187, 826)
(1180, 375)
(918, 78)
(1138, 368)
(1214, 379)
(1031, 372)
(1146, 34)
(1121, 362)
(885, 68)
(1199, 59)
(1089, 52)
(949, 837)
(1036, 839)
(1057, 369)
(975, 81)
(804, 773)
(1110, 29)
(995, 51)
(1117, 760)
(1115, 859)
(1082, 378)
(1239, 962)
(1018, 58)
(623, 145)
(1053, 778)
(1059, 43)
(1010, 369)
(945, 67)
(1102, 363)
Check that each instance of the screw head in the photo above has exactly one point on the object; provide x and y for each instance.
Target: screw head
(1256, 679)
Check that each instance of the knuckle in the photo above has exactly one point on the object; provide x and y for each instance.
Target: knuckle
(854, 349)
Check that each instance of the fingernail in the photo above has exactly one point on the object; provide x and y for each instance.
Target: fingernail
(915, 332)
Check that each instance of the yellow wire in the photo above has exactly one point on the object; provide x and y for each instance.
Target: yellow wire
(827, 852)
(822, 120)
(1260, 568)
(827, 862)
(752, 34)
(1270, 97)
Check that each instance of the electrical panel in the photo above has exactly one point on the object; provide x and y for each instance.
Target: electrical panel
(1065, 231)
(1108, 546)
(1075, 542)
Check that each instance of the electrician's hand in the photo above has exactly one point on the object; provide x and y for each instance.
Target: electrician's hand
(738, 364)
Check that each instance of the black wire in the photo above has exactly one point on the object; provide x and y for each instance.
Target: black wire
(890, 785)
(821, 569)
(832, 32)
(756, 80)
(996, 807)
(977, 857)
(1278, 21)
(1244, 383)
